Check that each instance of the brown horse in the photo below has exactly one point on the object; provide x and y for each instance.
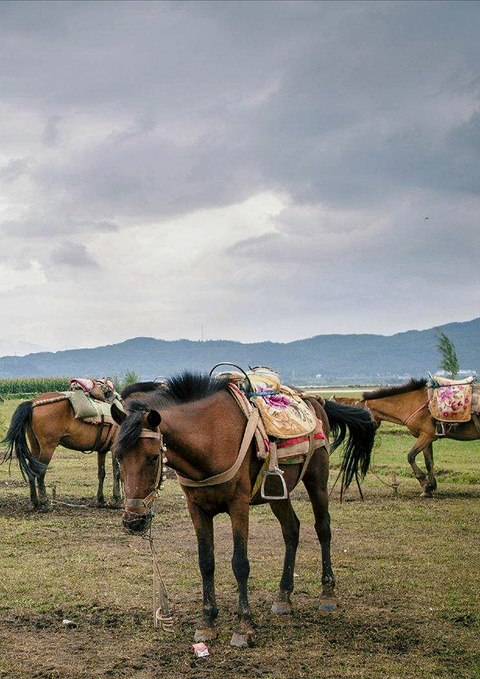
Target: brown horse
(407, 404)
(39, 425)
(198, 425)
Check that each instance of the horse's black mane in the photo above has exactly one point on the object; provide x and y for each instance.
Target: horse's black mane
(190, 386)
(384, 392)
(183, 388)
(140, 387)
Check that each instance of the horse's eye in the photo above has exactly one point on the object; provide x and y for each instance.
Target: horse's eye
(153, 458)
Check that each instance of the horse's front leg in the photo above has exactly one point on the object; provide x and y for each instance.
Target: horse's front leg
(241, 568)
(203, 524)
(422, 443)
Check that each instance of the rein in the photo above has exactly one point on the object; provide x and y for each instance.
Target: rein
(415, 412)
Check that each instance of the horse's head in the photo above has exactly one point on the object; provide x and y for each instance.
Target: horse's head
(139, 450)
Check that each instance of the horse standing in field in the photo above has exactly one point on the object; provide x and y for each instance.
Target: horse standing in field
(407, 404)
(196, 424)
(41, 424)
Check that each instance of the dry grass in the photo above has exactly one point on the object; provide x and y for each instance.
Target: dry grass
(407, 573)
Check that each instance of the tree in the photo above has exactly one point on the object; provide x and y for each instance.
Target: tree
(449, 361)
(130, 377)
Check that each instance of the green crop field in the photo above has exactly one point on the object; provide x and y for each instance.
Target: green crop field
(407, 569)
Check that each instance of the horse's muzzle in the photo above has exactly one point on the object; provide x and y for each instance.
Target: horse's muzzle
(137, 524)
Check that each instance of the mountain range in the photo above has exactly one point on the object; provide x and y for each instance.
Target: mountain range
(324, 359)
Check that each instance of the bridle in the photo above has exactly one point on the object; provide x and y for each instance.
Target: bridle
(147, 502)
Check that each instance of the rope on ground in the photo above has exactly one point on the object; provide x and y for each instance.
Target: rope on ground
(394, 484)
(161, 608)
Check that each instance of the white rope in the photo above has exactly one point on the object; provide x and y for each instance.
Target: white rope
(161, 608)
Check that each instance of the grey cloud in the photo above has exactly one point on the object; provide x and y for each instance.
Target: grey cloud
(149, 110)
(51, 134)
(74, 255)
(338, 127)
(14, 169)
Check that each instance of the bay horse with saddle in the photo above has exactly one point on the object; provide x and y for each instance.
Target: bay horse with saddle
(78, 419)
(215, 432)
(430, 409)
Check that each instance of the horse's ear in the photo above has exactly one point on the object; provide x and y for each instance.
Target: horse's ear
(153, 418)
(117, 413)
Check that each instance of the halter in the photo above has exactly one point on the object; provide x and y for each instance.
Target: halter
(160, 476)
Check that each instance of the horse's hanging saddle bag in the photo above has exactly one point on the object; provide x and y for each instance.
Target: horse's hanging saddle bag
(452, 401)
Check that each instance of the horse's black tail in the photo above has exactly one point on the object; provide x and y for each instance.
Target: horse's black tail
(361, 435)
(17, 442)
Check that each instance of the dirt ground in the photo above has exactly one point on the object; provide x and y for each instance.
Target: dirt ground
(407, 581)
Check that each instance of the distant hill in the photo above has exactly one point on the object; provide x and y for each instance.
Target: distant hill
(19, 348)
(324, 359)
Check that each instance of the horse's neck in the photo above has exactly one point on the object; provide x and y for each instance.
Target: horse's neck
(202, 437)
(399, 408)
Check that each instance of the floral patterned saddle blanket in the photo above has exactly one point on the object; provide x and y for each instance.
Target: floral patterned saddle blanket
(284, 414)
(453, 400)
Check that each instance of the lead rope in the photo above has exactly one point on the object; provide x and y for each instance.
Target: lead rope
(161, 609)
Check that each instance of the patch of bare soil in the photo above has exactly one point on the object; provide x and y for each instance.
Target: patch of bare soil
(375, 634)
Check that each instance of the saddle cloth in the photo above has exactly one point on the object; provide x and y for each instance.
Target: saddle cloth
(284, 414)
(453, 400)
(89, 409)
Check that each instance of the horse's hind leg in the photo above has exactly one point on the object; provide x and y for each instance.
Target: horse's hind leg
(101, 478)
(290, 525)
(117, 496)
(431, 483)
(39, 501)
(315, 481)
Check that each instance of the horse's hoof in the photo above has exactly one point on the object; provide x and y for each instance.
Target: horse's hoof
(282, 607)
(428, 495)
(328, 604)
(205, 634)
(242, 639)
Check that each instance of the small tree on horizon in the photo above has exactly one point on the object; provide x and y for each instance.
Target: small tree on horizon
(130, 377)
(449, 361)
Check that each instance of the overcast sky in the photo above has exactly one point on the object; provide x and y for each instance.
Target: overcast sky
(237, 170)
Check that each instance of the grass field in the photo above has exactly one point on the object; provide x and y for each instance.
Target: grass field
(407, 569)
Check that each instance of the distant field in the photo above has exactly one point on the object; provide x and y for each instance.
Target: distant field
(408, 580)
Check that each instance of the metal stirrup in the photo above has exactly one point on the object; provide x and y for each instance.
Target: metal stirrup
(273, 470)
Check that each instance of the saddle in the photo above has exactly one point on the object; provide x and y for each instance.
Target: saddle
(287, 431)
(284, 414)
(91, 399)
(101, 389)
